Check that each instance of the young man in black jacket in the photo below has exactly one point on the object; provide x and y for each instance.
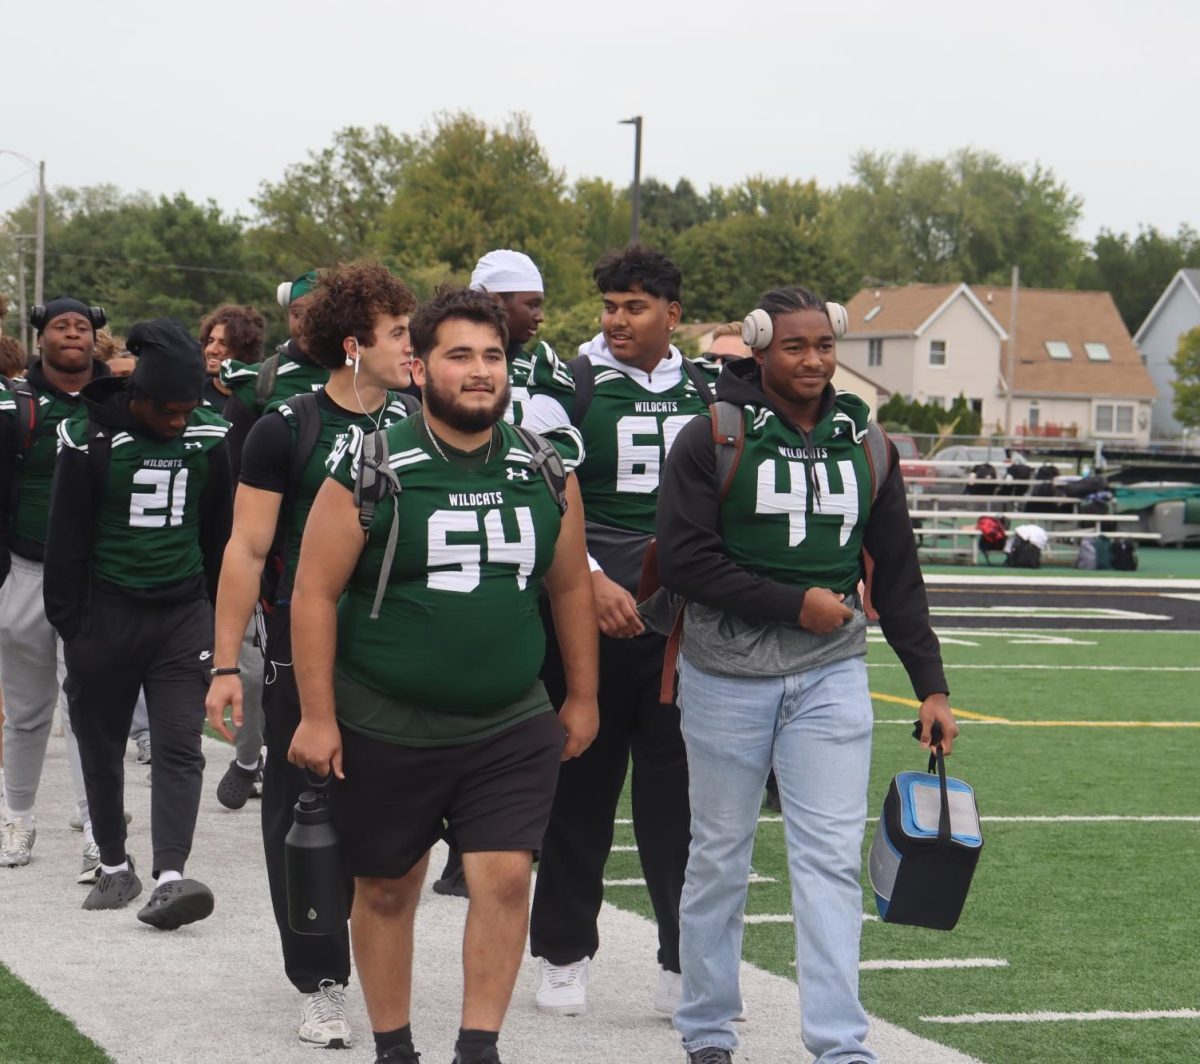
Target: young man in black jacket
(31, 657)
(139, 514)
(767, 551)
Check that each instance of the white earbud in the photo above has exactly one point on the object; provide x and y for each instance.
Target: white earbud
(353, 361)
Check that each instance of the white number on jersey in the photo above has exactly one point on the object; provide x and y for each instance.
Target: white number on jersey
(794, 501)
(163, 496)
(467, 558)
(639, 464)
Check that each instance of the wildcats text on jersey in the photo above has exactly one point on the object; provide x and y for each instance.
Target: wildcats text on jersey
(808, 453)
(476, 498)
(656, 408)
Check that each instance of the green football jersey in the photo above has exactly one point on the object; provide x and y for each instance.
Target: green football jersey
(796, 514)
(148, 521)
(35, 470)
(627, 432)
(458, 631)
(519, 371)
(334, 423)
(291, 378)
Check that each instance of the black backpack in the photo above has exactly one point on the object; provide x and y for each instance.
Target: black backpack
(376, 480)
(1023, 555)
(1123, 555)
(1018, 471)
(984, 480)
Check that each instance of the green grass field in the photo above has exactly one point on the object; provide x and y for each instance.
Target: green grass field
(1088, 916)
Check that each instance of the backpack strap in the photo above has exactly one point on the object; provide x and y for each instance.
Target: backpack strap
(583, 372)
(411, 404)
(376, 479)
(729, 440)
(546, 461)
(694, 373)
(879, 455)
(308, 429)
(264, 382)
(27, 413)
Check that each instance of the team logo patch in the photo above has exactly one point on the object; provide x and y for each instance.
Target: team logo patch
(516, 474)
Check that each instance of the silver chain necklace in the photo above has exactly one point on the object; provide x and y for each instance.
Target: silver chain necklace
(438, 447)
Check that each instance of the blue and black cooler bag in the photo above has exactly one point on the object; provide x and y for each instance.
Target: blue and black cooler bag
(925, 848)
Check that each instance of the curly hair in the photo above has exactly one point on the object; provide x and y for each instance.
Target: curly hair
(12, 357)
(450, 303)
(244, 330)
(347, 301)
(108, 346)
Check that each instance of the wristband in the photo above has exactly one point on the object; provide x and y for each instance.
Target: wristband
(232, 671)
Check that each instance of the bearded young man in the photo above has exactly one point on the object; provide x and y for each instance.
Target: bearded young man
(430, 635)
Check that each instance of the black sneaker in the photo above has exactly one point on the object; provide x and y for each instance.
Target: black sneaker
(171, 905)
(452, 881)
(237, 785)
(399, 1055)
(114, 890)
(491, 1055)
(711, 1055)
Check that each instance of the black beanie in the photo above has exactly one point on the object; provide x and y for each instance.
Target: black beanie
(170, 367)
(65, 305)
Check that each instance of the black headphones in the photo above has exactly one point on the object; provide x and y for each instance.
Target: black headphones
(37, 317)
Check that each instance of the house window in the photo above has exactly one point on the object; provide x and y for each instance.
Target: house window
(938, 401)
(1035, 415)
(937, 352)
(874, 352)
(1058, 349)
(1097, 352)
(1116, 418)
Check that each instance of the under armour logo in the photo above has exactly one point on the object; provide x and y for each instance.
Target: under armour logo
(517, 474)
(191, 446)
(205, 655)
(837, 431)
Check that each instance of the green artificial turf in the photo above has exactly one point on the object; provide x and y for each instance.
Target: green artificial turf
(31, 1032)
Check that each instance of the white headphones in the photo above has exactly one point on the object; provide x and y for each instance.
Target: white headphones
(757, 328)
(283, 294)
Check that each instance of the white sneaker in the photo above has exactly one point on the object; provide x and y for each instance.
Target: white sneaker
(668, 993)
(323, 1017)
(563, 988)
(16, 844)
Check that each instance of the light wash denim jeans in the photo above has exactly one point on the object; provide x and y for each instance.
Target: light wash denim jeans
(814, 728)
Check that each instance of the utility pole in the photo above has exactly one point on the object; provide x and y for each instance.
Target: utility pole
(636, 122)
(1011, 354)
(23, 318)
(39, 266)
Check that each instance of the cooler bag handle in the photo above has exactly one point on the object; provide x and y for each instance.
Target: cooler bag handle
(937, 763)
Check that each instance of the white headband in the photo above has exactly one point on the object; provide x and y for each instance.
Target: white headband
(506, 271)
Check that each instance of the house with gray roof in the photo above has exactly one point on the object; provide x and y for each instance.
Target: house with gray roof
(1176, 312)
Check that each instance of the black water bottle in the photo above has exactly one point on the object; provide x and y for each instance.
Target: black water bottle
(316, 880)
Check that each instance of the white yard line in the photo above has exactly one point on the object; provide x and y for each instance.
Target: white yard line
(1068, 1017)
(754, 880)
(1056, 668)
(935, 962)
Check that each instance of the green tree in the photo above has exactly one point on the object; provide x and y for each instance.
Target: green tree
(1136, 270)
(1186, 385)
(142, 257)
(468, 188)
(969, 216)
(327, 209)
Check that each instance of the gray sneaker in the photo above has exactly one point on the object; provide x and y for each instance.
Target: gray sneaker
(75, 821)
(89, 867)
(711, 1055)
(16, 845)
(143, 754)
(171, 905)
(114, 890)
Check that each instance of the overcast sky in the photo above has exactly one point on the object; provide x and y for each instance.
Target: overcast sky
(216, 96)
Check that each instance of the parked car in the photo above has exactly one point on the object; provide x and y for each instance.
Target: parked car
(916, 471)
(953, 465)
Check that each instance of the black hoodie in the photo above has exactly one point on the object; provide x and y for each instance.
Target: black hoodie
(693, 563)
(74, 506)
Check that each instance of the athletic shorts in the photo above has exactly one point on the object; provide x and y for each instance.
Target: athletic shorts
(495, 794)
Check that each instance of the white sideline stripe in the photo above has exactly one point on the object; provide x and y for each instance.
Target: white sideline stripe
(1083, 583)
(1057, 668)
(635, 882)
(1055, 1017)
(785, 918)
(938, 962)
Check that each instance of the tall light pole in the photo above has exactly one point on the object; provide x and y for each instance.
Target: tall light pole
(39, 262)
(636, 122)
(1011, 353)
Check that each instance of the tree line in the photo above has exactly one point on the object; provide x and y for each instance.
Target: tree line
(429, 205)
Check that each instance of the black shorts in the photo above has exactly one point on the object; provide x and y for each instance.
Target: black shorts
(495, 794)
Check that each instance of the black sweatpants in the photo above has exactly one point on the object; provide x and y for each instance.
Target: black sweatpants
(570, 890)
(166, 648)
(307, 959)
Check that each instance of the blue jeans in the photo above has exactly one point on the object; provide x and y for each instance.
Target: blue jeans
(815, 729)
